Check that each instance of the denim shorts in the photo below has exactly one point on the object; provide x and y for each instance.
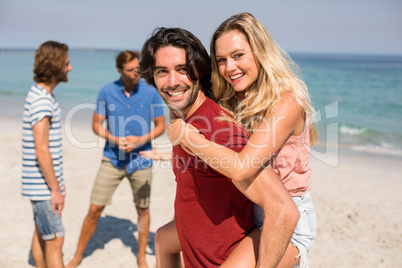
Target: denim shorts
(49, 224)
(306, 229)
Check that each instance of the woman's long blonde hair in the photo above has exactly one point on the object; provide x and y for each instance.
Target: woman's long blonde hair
(275, 77)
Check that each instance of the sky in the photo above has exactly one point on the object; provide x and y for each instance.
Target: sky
(310, 26)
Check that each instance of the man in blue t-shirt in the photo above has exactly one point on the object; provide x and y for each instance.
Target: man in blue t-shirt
(42, 157)
(128, 106)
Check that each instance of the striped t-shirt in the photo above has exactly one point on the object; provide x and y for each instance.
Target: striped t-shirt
(39, 104)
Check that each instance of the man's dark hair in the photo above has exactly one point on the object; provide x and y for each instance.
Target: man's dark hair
(50, 58)
(197, 58)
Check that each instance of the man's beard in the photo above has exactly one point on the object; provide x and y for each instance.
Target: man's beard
(189, 101)
(62, 77)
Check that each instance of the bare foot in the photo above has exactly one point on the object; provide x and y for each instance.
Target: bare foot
(73, 263)
(142, 263)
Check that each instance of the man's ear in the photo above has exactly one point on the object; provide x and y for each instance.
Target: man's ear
(119, 70)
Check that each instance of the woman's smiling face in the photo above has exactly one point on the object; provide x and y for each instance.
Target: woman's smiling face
(236, 61)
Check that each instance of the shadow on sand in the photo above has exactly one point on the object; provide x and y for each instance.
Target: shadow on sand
(110, 228)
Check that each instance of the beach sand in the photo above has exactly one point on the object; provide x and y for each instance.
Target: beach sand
(359, 212)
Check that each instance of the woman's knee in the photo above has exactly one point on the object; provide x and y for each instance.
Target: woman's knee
(158, 236)
(290, 258)
(167, 240)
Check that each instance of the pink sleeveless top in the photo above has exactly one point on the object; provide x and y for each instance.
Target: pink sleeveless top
(291, 163)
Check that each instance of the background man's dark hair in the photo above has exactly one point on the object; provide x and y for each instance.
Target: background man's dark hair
(50, 58)
(198, 61)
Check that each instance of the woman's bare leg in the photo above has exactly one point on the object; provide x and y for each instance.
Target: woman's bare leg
(289, 258)
(167, 246)
(246, 253)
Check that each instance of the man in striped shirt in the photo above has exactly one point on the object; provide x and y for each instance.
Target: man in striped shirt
(42, 171)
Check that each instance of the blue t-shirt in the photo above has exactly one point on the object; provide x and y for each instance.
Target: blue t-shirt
(127, 116)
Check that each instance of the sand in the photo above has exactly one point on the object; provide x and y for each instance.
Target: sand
(359, 212)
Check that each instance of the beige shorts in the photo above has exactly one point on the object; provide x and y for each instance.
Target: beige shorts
(109, 178)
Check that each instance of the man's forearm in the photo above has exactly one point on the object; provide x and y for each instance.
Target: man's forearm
(134, 142)
(154, 133)
(46, 166)
(137, 141)
(105, 134)
(98, 129)
(277, 230)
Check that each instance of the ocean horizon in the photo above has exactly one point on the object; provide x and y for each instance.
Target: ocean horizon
(357, 96)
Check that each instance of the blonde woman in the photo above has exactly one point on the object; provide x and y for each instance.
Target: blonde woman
(254, 81)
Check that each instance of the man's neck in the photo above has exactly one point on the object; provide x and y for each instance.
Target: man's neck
(194, 107)
(128, 87)
(49, 87)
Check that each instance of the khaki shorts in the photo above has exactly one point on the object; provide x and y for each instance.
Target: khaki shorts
(109, 178)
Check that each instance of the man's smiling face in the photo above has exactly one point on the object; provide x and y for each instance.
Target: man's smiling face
(172, 81)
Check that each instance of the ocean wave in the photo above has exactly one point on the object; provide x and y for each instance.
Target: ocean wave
(352, 131)
(382, 148)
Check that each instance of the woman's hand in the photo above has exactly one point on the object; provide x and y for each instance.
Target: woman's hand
(175, 131)
(153, 155)
(179, 132)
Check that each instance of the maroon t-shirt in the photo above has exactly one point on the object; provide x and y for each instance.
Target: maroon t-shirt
(211, 215)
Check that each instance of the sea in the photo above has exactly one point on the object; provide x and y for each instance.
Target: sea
(358, 98)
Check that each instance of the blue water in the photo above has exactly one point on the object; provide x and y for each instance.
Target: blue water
(368, 92)
(357, 96)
